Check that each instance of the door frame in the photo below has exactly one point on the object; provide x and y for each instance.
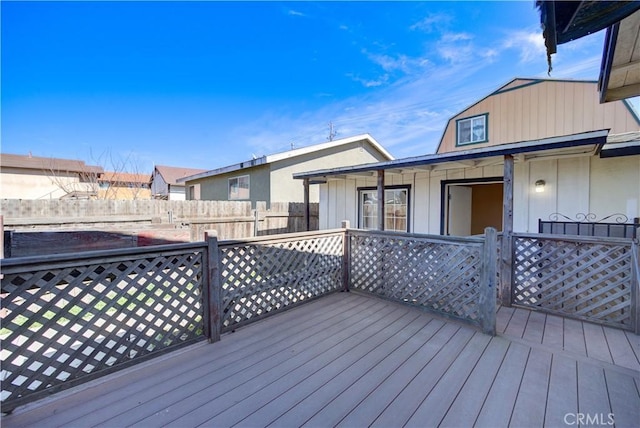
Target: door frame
(444, 203)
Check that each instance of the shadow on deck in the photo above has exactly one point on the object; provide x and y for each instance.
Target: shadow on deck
(349, 359)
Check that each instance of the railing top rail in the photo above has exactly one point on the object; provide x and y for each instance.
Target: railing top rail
(270, 239)
(29, 261)
(423, 237)
(576, 238)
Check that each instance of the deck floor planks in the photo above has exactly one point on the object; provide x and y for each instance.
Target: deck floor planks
(593, 397)
(517, 323)
(189, 378)
(531, 402)
(136, 381)
(624, 397)
(336, 389)
(314, 373)
(413, 394)
(596, 342)
(434, 407)
(325, 384)
(563, 390)
(466, 407)
(361, 403)
(503, 317)
(534, 331)
(201, 391)
(359, 360)
(574, 337)
(498, 406)
(621, 350)
(553, 332)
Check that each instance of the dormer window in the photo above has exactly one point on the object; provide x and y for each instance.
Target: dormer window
(472, 130)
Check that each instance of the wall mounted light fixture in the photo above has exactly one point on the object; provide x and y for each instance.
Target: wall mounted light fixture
(540, 186)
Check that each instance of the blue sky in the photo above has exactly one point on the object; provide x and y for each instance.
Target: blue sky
(208, 84)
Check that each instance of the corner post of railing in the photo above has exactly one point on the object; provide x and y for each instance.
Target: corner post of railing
(487, 299)
(346, 255)
(212, 289)
(635, 286)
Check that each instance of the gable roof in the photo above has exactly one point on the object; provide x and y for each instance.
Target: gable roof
(518, 83)
(264, 160)
(170, 174)
(47, 164)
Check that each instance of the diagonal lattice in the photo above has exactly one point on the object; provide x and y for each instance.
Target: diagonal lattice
(259, 278)
(434, 274)
(71, 319)
(585, 280)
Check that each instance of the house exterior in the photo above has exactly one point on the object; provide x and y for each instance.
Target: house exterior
(123, 185)
(270, 178)
(33, 177)
(583, 155)
(164, 184)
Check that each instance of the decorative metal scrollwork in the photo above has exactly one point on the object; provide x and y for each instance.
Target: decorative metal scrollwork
(590, 218)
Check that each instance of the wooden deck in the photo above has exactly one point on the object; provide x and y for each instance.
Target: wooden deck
(353, 360)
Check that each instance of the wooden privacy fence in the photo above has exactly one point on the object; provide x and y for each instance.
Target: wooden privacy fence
(453, 276)
(67, 319)
(587, 278)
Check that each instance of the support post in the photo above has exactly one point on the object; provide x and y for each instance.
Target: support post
(635, 286)
(487, 298)
(256, 220)
(380, 199)
(307, 215)
(506, 250)
(212, 288)
(346, 255)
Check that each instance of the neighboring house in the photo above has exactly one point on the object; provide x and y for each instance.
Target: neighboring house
(123, 185)
(270, 178)
(563, 152)
(164, 183)
(32, 177)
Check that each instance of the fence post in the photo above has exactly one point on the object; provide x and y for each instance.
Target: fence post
(346, 255)
(487, 298)
(212, 289)
(635, 286)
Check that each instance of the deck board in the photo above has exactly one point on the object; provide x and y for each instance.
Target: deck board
(350, 359)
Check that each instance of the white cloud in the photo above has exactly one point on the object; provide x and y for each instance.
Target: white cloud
(529, 44)
(369, 83)
(292, 12)
(431, 22)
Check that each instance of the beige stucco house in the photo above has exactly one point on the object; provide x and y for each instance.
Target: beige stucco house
(33, 177)
(270, 178)
(567, 157)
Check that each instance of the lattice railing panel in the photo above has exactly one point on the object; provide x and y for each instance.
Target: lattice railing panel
(65, 321)
(263, 277)
(438, 275)
(586, 280)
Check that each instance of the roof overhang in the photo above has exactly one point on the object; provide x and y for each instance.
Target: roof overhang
(583, 144)
(620, 69)
(564, 21)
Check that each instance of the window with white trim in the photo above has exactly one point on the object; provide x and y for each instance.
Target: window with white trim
(472, 130)
(239, 188)
(396, 208)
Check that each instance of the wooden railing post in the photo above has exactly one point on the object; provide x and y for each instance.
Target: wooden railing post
(635, 286)
(506, 252)
(212, 288)
(346, 255)
(487, 299)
